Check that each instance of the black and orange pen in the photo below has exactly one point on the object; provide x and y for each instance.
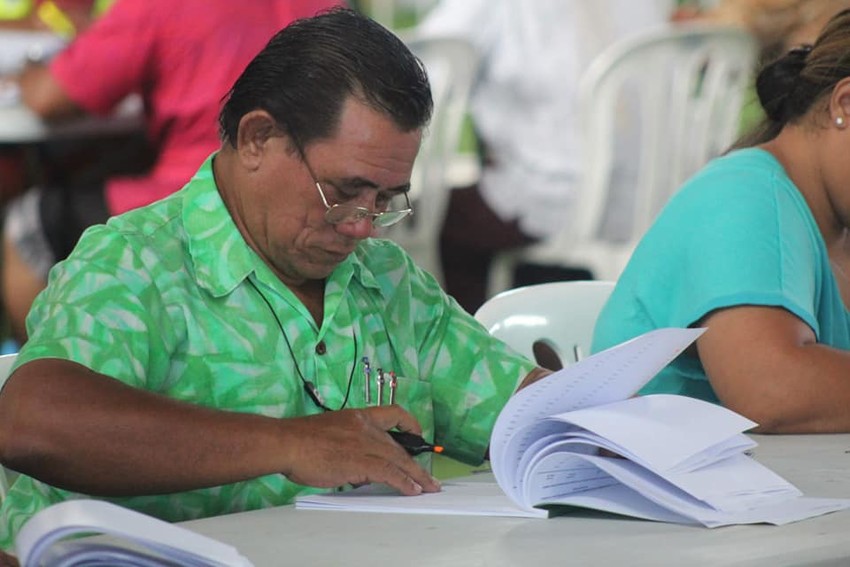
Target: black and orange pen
(414, 444)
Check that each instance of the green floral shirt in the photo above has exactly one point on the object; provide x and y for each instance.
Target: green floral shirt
(162, 299)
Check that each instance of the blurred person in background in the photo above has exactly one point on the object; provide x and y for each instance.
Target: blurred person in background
(181, 57)
(777, 25)
(524, 106)
(31, 30)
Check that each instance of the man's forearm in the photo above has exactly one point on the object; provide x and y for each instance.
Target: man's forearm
(86, 432)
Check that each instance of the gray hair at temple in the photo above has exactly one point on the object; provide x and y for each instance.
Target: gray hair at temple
(308, 69)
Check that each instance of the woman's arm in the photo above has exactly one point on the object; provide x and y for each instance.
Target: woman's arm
(765, 363)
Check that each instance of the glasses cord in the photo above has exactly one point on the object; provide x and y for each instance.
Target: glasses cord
(309, 386)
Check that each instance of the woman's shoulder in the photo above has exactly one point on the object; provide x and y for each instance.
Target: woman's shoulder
(749, 163)
(744, 176)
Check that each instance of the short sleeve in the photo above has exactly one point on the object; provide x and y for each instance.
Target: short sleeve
(737, 237)
(103, 277)
(472, 373)
(738, 233)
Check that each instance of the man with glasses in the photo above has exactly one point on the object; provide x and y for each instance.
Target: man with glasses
(245, 338)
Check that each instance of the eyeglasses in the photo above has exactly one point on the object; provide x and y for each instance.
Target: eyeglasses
(341, 213)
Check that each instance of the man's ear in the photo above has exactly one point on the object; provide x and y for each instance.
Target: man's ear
(256, 129)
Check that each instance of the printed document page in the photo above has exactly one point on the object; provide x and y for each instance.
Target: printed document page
(608, 376)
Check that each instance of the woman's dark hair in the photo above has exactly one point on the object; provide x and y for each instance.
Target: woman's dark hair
(307, 71)
(795, 83)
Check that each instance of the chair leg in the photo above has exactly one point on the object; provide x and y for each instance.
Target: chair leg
(501, 275)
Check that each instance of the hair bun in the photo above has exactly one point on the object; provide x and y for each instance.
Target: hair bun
(778, 80)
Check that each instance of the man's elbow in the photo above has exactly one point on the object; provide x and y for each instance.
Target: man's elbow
(17, 442)
(43, 106)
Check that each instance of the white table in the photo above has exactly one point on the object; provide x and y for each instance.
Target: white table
(17, 46)
(19, 125)
(818, 465)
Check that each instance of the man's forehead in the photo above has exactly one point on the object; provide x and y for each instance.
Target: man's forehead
(359, 121)
(369, 138)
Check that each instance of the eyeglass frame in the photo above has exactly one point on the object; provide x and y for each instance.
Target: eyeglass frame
(355, 213)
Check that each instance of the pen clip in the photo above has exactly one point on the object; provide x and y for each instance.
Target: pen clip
(367, 380)
(393, 386)
(380, 380)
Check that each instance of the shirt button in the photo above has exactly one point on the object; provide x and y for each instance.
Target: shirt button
(321, 348)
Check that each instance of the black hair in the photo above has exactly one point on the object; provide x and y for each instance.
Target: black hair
(789, 87)
(307, 70)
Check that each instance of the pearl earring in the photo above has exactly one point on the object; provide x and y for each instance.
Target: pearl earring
(839, 121)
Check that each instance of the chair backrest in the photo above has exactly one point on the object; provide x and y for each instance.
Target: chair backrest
(6, 476)
(451, 64)
(654, 108)
(686, 83)
(394, 13)
(559, 315)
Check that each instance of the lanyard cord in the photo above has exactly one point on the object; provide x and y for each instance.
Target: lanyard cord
(309, 387)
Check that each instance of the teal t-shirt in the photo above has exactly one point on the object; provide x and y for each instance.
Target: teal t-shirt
(738, 233)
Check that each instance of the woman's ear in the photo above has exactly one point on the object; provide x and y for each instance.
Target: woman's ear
(839, 104)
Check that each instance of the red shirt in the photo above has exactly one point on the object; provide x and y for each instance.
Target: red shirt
(182, 56)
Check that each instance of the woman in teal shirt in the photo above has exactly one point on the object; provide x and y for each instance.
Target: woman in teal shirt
(756, 248)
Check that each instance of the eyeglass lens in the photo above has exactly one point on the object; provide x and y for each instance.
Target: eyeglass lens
(395, 210)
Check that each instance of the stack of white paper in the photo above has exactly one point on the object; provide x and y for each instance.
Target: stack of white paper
(682, 461)
(136, 539)
(677, 459)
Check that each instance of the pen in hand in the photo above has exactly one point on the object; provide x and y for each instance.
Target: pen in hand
(414, 444)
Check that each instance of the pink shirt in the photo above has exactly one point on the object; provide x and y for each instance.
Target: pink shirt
(182, 56)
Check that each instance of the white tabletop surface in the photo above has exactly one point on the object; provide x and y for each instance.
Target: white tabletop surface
(19, 125)
(16, 46)
(818, 464)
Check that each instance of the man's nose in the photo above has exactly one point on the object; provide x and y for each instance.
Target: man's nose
(358, 229)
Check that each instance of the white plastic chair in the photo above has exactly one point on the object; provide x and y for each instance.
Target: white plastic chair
(387, 12)
(559, 315)
(669, 99)
(6, 475)
(451, 64)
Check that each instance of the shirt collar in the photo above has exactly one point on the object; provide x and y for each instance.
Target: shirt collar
(220, 256)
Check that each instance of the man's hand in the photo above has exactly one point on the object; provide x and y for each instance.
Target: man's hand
(7, 560)
(532, 377)
(352, 447)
